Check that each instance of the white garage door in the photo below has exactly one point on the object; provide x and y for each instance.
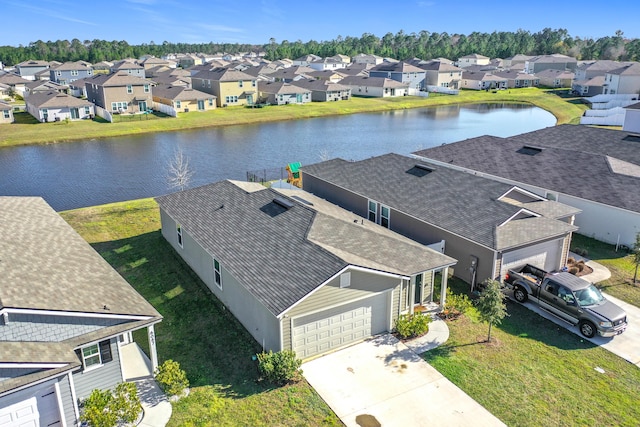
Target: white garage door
(330, 329)
(543, 255)
(39, 410)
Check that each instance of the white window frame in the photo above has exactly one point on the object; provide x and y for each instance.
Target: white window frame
(91, 356)
(6, 114)
(384, 218)
(87, 111)
(240, 83)
(74, 72)
(178, 104)
(147, 88)
(217, 273)
(374, 212)
(180, 238)
(129, 89)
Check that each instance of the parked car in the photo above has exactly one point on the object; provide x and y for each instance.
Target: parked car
(570, 298)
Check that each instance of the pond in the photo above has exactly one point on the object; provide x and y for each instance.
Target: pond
(86, 173)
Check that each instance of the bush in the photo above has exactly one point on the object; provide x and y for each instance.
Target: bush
(280, 367)
(455, 305)
(104, 408)
(171, 378)
(573, 270)
(412, 325)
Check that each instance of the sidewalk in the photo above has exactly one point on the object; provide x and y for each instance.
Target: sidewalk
(600, 272)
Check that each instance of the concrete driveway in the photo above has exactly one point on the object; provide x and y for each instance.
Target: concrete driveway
(381, 382)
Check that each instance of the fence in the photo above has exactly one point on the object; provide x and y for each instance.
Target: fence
(104, 114)
(266, 175)
(415, 92)
(613, 120)
(440, 89)
(166, 109)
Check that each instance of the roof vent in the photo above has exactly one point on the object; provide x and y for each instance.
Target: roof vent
(529, 150)
(283, 202)
(632, 138)
(420, 170)
(301, 200)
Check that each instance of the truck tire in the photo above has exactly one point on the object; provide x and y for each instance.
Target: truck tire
(520, 294)
(587, 328)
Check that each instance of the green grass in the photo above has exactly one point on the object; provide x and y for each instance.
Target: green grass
(537, 373)
(619, 263)
(27, 131)
(207, 341)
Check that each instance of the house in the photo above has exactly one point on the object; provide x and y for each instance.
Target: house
(402, 72)
(120, 92)
(589, 76)
(378, 87)
(231, 87)
(324, 90)
(632, 118)
(595, 170)
(28, 69)
(550, 62)
(152, 62)
(6, 113)
(44, 86)
(128, 67)
(55, 106)
(331, 64)
(332, 76)
(555, 78)
(69, 71)
(357, 70)
(66, 318)
(441, 74)
(5, 91)
(281, 93)
(291, 74)
(183, 98)
(15, 83)
(623, 80)
(473, 59)
(342, 58)
(305, 60)
(488, 226)
(516, 60)
(102, 67)
(518, 79)
(189, 60)
(483, 80)
(299, 273)
(363, 58)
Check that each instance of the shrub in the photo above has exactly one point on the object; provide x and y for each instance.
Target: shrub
(280, 367)
(412, 325)
(577, 251)
(573, 270)
(105, 408)
(571, 261)
(171, 378)
(455, 305)
(580, 266)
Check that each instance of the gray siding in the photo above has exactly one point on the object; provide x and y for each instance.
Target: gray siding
(105, 377)
(363, 285)
(67, 401)
(46, 328)
(257, 320)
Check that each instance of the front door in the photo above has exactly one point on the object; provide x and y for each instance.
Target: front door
(417, 296)
(200, 105)
(74, 113)
(143, 106)
(249, 99)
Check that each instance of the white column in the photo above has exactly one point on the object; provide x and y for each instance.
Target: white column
(74, 397)
(443, 287)
(152, 348)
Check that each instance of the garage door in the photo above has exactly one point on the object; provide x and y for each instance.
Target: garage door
(543, 255)
(41, 409)
(334, 328)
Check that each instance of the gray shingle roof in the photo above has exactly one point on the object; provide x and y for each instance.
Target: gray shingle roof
(180, 93)
(223, 75)
(372, 82)
(278, 88)
(573, 161)
(462, 203)
(282, 255)
(117, 79)
(55, 99)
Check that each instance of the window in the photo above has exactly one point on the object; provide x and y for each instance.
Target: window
(345, 280)
(146, 88)
(384, 216)
(373, 211)
(253, 83)
(89, 72)
(178, 104)
(74, 72)
(58, 73)
(240, 83)
(129, 89)
(97, 354)
(6, 114)
(203, 83)
(210, 102)
(217, 275)
(179, 233)
(119, 106)
(87, 111)
(231, 99)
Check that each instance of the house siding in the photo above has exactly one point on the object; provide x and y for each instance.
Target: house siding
(105, 377)
(67, 401)
(363, 285)
(45, 328)
(257, 320)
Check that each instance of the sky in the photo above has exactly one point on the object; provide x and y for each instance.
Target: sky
(256, 22)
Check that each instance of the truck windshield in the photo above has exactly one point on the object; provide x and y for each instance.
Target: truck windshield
(589, 296)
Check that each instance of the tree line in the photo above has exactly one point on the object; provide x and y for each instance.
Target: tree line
(423, 45)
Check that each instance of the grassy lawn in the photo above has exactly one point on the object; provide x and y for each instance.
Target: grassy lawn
(620, 285)
(26, 131)
(207, 341)
(537, 373)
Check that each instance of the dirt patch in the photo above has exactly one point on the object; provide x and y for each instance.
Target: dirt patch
(366, 420)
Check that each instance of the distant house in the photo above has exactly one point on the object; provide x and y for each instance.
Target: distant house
(473, 59)
(305, 60)
(102, 67)
(6, 112)
(281, 93)
(56, 106)
(327, 64)
(184, 99)
(291, 74)
(15, 83)
(623, 80)
(332, 76)
(441, 74)
(402, 72)
(555, 78)
(589, 87)
(5, 91)
(120, 92)
(189, 60)
(231, 87)
(28, 69)
(518, 79)
(306, 280)
(66, 319)
(152, 62)
(377, 87)
(550, 62)
(483, 80)
(44, 86)
(486, 225)
(128, 67)
(363, 58)
(516, 60)
(549, 162)
(324, 90)
(69, 71)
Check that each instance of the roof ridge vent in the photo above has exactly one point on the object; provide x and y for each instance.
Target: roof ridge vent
(285, 203)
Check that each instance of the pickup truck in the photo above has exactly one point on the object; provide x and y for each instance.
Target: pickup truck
(570, 298)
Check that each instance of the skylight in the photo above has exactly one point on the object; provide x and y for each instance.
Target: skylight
(420, 170)
(529, 150)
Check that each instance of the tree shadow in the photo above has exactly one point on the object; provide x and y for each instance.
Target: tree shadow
(197, 330)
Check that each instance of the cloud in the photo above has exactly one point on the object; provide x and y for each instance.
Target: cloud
(51, 13)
